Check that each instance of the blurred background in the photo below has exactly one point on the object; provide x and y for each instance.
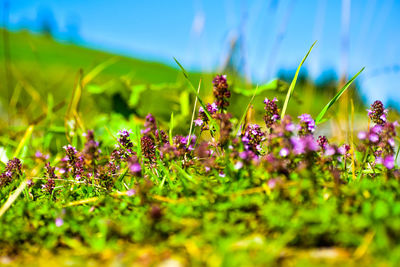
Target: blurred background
(81, 64)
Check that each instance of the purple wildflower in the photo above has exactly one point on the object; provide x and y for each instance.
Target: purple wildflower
(131, 192)
(148, 148)
(50, 175)
(74, 161)
(106, 174)
(202, 119)
(124, 140)
(212, 108)
(238, 165)
(91, 149)
(330, 150)
(322, 142)
(288, 124)
(221, 92)
(272, 183)
(344, 150)
(284, 152)
(374, 138)
(13, 170)
(271, 112)
(29, 182)
(252, 138)
(198, 122)
(362, 135)
(40, 156)
(388, 162)
(71, 152)
(248, 156)
(124, 147)
(59, 222)
(307, 124)
(14, 166)
(134, 166)
(161, 137)
(150, 125)
(304, 144)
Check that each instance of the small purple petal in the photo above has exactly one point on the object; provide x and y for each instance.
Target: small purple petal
(373, 138)
(389, 162)
(238, 165)
(378, 160)
(271, 183)
(290, 127)
(135, 167)
(342, 150)
(131, 192)
(59, 222)
(198, 122)
(391, 142)
(284, 152)
(362, 135)
(330, 151)
(377, 129)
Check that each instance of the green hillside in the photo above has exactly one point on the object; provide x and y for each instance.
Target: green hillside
(45, 72)
(42, 66)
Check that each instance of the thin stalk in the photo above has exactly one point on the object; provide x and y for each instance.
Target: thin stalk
(363, 163)
(194, 111)
(352, 141)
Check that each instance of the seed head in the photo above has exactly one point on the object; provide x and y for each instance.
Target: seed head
(377, 113)
(148, 148)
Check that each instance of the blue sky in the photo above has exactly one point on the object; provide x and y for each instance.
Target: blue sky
(275, 34)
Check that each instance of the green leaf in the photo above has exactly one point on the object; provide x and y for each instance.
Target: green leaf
(24, 140)
(95, 89)
(319, 120)
(381, 209)
(3, 156)
(293, 83)
(271, 85)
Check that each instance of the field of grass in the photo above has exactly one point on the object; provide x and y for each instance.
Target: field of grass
(88, 176)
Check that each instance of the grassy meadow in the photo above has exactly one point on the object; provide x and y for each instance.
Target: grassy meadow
(106, 159)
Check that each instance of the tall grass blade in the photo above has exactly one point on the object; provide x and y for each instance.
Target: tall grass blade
(271, 85)
(185, 74)
(171, 128)
(12, 198)
(193, 113)
(293, 83)
(24, 140)
(336, 98)
(96, 70)
(352, 141)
